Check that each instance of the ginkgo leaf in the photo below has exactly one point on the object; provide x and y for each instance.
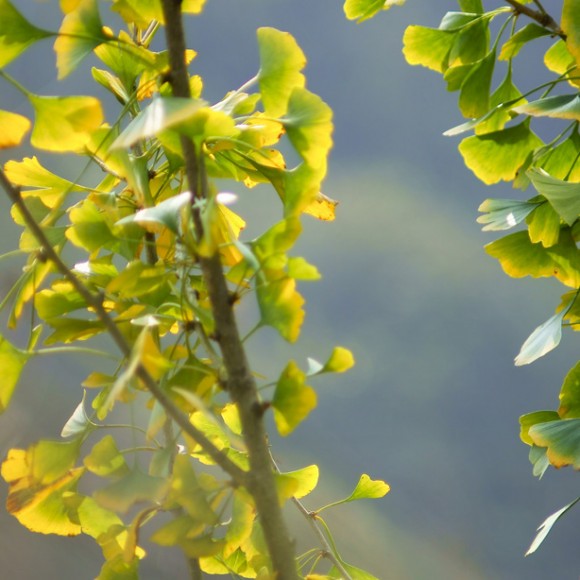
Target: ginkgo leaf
(544, 339)
(564, 196)
(547, 525)
(293, 400)
(14, 128)
(558, 107)
(78, 422)
(428, 47)
(281, 60)
(162, 114)
(300, 269)
(499, 155)
(527, 421)
(366, 488)
(12, 361)
(544, 225)
(529, 32)
(570, 395)
(361, 10)
(80, 33)
(240, 528)
(307, 479)
(474, 98)
(308, 123)
(64, 123)
(539, 459)
(105, 459)
(562, 440)
(353, 571)
(16, 33)
(571, 27)
(281, 306)
(503, 214)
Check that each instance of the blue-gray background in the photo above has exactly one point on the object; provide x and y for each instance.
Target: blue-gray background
(433, 403)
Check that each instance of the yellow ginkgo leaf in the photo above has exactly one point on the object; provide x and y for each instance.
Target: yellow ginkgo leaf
(14, 128)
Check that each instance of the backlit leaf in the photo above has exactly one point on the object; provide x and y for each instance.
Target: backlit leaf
(503, 214)
(361, 10)
(105, 459)
(570, 395)
(16, 33)
(571, 27)
(91, 228)
(558, 107)
(529, 32)
(81, 32)
(564, 196)
(307, 479)
(499, 155)
(559, 60)
(281, 61)
(366, 488)
(64, 123)
(539, 459)
(527, 421)
(474, 98)
(547, 525)
(428, 47)
(561, 438)
(544, 225)
(12, 361)
(14, 128)
(340, 361)
(293, 399)
(544, 339)
(78, 422)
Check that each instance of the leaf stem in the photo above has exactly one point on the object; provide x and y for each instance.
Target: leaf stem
(540, 16)
(72, 350)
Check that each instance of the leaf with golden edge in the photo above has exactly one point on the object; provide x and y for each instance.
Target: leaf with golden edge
(64, 124)
(14, 128)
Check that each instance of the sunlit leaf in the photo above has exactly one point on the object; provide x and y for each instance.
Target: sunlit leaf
(64, 123)
(529, 32)
(562, 440)
(293, 400)
(428, 47)
(544, 225)
(547, 525)
(564, 196)
(366, 488)
(361, 10)
(118, 569)
(559, 60)
(14, 128)
(307, 479)
(12, 361)
(281, 61)
(78, 422)
(353, 571)
(81, 32)
(16, 33)
(571, 27)
(91, 228)
(474, 98)
(300, 269)
(527, 421)
(503, 214)
(544, 339)
(499, 155)
(240, 528)
(135, 487)
(105, 459)
(557, 107)
(570, 395)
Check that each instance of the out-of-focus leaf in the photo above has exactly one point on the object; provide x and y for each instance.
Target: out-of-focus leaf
(353, 571)
(529, 32)
(16, 33)
(499, 155)
(361, 10)
(503, 214)
(14, 128)
(64, 124)
(12, 361)
(544, 339)
(105, 459)
(562, 440)
(78, 422)
(562, 195)
(293, 399)
(307, 479)
(547, 525)
(571, 26)
(281, 61)
(80, 33)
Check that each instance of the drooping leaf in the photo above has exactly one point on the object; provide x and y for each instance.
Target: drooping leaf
(563, 161)
(499, 155)
(361, 10)
(14, 128)
(300, 269)
(544, 225)
(547, 525)
(474, 98)
(281, 61)
(520, 257)
(539, 459)
(571, 27)
(562, 440)
(570, 395)
(240, 528)
(293, 399)
(529, 32)
(503, 214)
(12, 361)
(64, 124)
(557, 107)
(78, 422)
(544, 339)
(16, 33)
(564, 196)
(80, 33)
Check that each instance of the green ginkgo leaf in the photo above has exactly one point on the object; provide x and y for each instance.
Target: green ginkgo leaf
(547, 525)
(307, 479)
(293, 399)
(562, 440)
(281, 63)
(16, 33)
(544, 225)
(527, 421)
(64, 123)
(308, 123)
(557, 107)
(12, 361)
(80, 33)
(570, 395)
(544, 339)
(563, 196)
(105, 459)
(14, 128)
(366, 488)
(361, 10)
(529, 32)
(504, 214)
(428, 47)
(571, 27)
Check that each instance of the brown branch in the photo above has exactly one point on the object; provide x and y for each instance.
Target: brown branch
(240, 382)
(540, 16)
(95, 302)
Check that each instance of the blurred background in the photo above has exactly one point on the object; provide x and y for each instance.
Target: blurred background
(432, 406)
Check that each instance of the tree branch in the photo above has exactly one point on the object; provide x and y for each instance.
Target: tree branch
(540, 16)
(95, 302)
(240, 382)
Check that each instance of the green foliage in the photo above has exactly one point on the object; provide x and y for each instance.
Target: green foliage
(156, 242)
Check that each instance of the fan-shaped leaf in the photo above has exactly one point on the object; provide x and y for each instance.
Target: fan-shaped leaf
(562, 440)
(361, 10)
(516, 42)
(14, 128)
(571, 27)
(562, 195)
(503, 214)
(544, 339)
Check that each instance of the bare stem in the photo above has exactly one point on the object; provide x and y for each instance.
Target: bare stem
(540, 16)
(240, 383)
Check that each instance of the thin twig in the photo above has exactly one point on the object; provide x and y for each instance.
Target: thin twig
(540, 16)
